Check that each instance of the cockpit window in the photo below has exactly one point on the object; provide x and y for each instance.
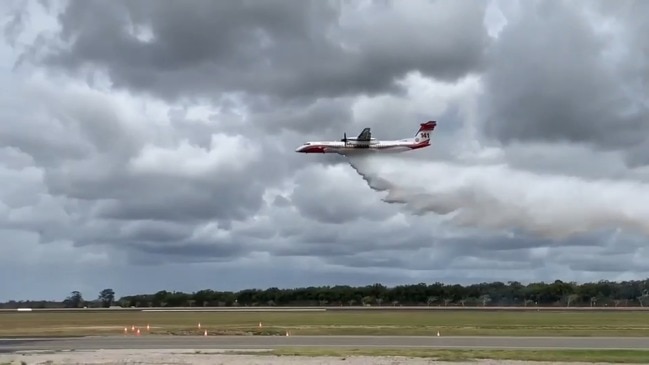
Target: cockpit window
(307, 144)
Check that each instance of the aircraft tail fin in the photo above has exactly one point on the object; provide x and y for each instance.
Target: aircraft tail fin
(425, 129)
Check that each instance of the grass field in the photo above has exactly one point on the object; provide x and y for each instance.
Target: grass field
(451, 323)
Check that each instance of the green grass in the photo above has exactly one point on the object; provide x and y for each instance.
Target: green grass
(611, 356)
(449, 323)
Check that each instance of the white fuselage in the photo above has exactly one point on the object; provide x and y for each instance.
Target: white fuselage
(359, 147)
(364, 143)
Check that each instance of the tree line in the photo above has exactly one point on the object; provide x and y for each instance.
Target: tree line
(513, 293)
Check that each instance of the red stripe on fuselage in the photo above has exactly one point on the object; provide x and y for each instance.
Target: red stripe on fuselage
(419, 145)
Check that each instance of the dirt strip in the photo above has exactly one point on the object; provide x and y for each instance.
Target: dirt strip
(218, 357)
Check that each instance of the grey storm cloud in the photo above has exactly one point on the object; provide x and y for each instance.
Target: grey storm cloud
(150, 145)
(557, 74)
(276, 48)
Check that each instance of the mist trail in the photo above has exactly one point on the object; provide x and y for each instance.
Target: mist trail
(498, 197)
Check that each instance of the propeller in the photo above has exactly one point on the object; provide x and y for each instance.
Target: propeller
(344, 138)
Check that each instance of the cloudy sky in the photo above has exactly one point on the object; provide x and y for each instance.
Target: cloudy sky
(149, 145)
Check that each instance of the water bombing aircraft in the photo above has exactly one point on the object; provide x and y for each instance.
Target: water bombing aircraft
(365, 143)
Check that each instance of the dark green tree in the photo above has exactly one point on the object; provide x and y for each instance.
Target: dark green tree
(107, 297)
(75, 300)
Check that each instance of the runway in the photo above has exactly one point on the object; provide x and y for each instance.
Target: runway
(270, 342)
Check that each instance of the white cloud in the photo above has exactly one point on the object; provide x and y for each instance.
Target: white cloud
(225, 155)
(396, 116)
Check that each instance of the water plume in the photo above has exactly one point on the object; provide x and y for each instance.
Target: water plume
(499, 197)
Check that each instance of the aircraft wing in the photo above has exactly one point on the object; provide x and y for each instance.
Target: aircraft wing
(365, 135)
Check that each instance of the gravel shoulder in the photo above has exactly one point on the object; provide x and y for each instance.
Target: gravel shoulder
(216, 357)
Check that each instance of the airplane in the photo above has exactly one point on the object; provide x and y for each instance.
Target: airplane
(365, 143)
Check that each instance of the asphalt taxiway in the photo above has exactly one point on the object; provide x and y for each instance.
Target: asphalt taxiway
(270, 342)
